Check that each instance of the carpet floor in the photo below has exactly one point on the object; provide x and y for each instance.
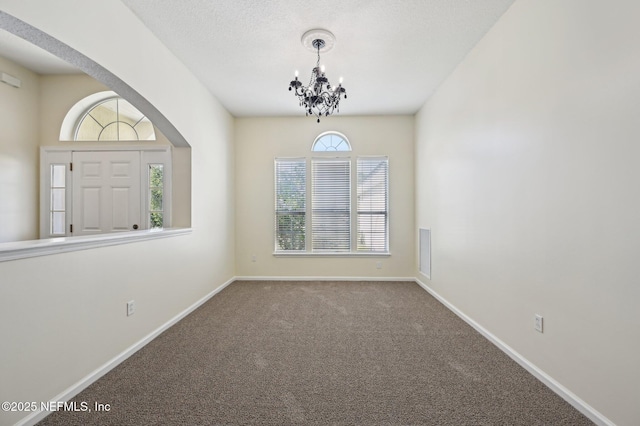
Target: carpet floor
(320, 353)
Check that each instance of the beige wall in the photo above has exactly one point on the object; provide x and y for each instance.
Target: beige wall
(19, 155)
(58, 95)
(63, 316)
(527, 173)
(260, 140)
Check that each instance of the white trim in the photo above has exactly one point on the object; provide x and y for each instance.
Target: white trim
(547, 380)
(331, 132)
(307, 278)
(110, 146)
(77, 111)
(300, 253)
(579, 404)
(48, 246)
(79, 386)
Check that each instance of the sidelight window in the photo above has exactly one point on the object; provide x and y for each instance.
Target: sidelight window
(57, 205)
(291, 201)
(156, 196)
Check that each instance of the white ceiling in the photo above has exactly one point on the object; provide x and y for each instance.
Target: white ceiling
(32, 57)
(392, 54)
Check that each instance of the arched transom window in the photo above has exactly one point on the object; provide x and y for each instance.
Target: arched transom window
(331, 141)
(114, 119)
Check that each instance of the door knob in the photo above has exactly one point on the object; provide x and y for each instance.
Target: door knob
(135, 226)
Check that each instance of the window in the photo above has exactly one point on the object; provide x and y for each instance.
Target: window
(373, 191)
(57, 205)
(327, 195)
(156, 192)
(331, 204)
(291, 202)
(331, 141)
(114, 119)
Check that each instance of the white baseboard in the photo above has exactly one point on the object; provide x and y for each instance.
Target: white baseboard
(551, 383)
(78, 387)
(307, 278)
(580, 405)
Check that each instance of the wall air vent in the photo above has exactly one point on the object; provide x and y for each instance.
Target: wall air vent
(10, 80)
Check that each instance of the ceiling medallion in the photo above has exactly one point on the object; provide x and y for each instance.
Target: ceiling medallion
(318, 98)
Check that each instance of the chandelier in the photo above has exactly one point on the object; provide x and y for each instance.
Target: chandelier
(318, 98)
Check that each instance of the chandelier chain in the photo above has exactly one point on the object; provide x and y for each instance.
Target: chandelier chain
(317, 66)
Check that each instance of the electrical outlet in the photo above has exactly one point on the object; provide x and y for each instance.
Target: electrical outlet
(253, 257)
(538, 323)
(378, 265)
(131, 307)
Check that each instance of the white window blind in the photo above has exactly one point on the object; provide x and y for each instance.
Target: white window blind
(331, 205)
(290, 204)
(373, 204)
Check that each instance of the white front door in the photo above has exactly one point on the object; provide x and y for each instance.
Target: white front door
(106, 192)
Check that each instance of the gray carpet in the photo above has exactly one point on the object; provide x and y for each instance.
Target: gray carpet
(321, 353)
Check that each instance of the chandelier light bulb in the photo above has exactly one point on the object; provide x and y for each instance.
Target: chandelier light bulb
(322, 68)
(340, 80)
(296, 73)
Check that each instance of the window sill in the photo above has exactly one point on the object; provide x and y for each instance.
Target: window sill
(336, 254)
(49, 246)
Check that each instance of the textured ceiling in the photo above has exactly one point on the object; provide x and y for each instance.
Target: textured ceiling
(392, 54)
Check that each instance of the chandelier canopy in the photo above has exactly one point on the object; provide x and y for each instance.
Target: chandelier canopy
(318, 98)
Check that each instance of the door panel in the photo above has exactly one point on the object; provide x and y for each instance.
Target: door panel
(120, 209)
(106, 191)
(90, 209)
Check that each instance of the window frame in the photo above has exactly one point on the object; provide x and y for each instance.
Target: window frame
(87, 113)
(353, 161)
(288, 212)
(362, 212)
(322, 212)
(330, 134)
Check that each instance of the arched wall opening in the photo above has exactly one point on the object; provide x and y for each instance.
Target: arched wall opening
(165, 130)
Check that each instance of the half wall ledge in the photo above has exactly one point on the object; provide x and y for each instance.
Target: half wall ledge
(49, 246)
